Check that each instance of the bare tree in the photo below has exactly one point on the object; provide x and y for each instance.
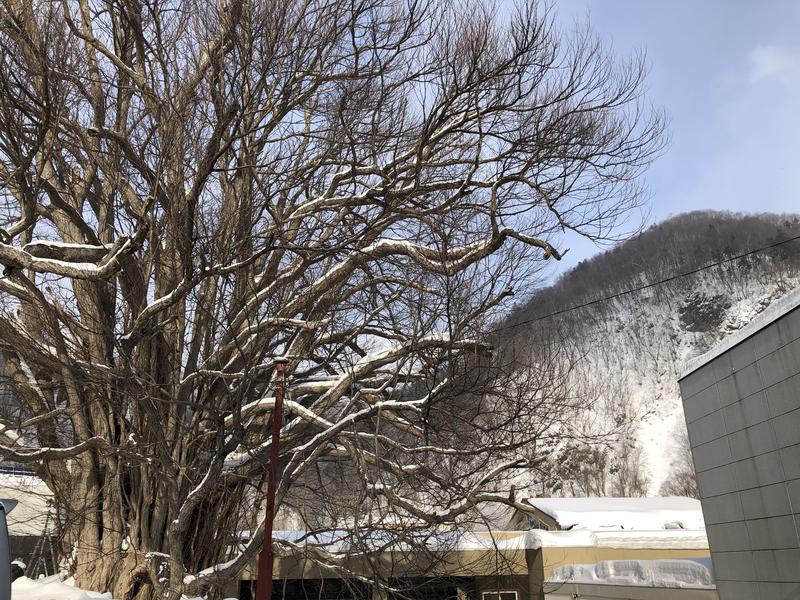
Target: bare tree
(592, 465)
(681, 480)
(629, 476)
(190, 190)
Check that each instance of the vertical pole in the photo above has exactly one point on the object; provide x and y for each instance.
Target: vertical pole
(265, 559)
(5, 551)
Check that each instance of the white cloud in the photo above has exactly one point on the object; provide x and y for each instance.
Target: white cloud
(770, 61)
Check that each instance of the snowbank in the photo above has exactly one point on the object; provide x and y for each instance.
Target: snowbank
(54, 588)
(50, 588)
(665, 573)
(598, 514)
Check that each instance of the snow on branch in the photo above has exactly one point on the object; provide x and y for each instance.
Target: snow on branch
(74, 253)
(107, 265)
(290, 406)
(31, 455)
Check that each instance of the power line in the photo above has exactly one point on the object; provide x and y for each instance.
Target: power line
(643, 287)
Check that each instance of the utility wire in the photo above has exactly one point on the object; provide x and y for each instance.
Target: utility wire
(643, 287)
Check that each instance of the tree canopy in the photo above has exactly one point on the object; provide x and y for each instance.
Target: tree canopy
(189, 190)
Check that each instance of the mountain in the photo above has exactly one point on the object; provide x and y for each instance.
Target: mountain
(646, 307)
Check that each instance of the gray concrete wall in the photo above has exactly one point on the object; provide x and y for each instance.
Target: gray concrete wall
(742, 411)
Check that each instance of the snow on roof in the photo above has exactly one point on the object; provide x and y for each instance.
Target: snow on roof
(769, 315)
(639, 514)
(534, 539)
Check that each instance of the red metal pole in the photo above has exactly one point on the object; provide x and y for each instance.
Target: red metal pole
(265, 559)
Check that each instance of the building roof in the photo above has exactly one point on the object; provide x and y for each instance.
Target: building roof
(635, 514)
(769, 315)
(340, 541)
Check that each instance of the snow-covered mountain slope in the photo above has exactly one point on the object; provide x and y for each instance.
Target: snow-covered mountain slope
(644, 343)
(634, 346)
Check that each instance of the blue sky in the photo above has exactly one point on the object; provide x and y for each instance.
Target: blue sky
(728, 74)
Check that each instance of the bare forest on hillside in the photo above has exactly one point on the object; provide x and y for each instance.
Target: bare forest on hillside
(632, 344)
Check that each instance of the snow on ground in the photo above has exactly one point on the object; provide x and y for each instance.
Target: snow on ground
(50, 588)
(665, 573)
(598, 514)
(56, 587)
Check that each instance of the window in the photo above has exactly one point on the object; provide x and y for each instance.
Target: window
(500, 595)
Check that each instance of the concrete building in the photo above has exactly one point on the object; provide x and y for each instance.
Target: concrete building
(742, 406)
(31, 524)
